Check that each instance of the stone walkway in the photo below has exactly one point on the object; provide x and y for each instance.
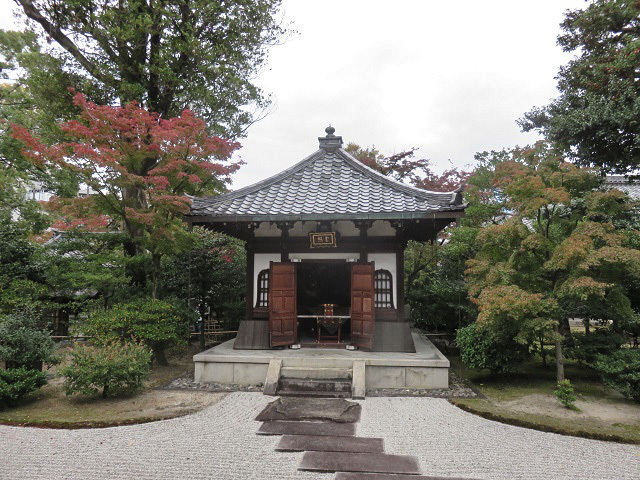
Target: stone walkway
(221, 443)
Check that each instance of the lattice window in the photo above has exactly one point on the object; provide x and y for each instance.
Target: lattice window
(383, 283)
(263, 289)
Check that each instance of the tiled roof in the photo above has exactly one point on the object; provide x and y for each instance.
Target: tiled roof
(330, 182)
(621, 183)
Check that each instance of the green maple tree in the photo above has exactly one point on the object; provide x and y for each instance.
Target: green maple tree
(595, 118)
(557, 256)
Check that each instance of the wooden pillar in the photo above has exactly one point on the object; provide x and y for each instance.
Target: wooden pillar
(363, 246)
(250, 281)
(284, 240)
(401, 245)
(400, 280)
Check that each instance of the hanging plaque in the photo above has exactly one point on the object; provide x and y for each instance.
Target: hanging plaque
(322, 239)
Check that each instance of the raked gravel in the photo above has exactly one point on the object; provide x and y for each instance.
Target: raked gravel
(451, 442)
(217, 443)
(220, 442)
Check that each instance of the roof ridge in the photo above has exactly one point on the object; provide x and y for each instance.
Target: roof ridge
(390, 181)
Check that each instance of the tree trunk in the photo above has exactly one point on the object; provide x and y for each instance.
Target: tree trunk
(543, 352)
(559, 357)
(155, 274)
(159, 355)
(105, 391)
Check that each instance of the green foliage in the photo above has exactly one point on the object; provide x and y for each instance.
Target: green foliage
(565, 394)
(158, 323)
(586, 348)
(22, 269)
(37, 99)
(24, 342)
(621, 371)
(595, 118)
(435, 281)
(200, 54)
(479, 349)
(86, 268)
(116, 368)
(212, 274)
(558, 255)
(15, 383)
(486, 201)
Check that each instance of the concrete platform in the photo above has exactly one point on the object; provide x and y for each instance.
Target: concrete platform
(428, 368)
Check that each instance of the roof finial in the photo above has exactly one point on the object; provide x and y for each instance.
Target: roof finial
(331, 142)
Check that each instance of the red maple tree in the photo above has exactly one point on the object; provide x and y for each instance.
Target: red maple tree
(141, 169)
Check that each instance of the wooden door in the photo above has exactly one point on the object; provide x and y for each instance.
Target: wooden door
(362, 305)
(282, 304)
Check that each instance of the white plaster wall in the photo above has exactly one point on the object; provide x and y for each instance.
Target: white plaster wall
(387, 261)
(346, 228)
(267, 229)
(302, 229)
(381, 228)
(261, 262)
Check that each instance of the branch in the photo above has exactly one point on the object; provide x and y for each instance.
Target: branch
(65, 42)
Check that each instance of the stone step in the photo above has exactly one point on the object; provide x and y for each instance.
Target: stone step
(316, 373)
(359, 462)
(310, 393)
(326, 443)
(313, 385)
(307, 428)
(388, 476)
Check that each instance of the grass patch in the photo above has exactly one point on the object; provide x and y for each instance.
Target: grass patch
(50, 407)
(525, 398)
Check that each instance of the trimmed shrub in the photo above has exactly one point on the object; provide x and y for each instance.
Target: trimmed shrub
(621, 371)
(478, 349)
(586, 348)
(115, 368)
(565, 394)
(15, 383)
(157, 323)
(24, 343)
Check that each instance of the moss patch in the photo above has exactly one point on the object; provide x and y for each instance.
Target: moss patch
(525, 398)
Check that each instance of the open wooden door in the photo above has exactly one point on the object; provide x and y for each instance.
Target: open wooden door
(362, 305)
(282, 304)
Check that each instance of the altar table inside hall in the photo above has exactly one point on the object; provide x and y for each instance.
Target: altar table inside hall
(328, 321)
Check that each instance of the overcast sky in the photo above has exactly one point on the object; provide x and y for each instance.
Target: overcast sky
(448, 77)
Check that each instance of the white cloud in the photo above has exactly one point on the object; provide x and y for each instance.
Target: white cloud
(448, 77)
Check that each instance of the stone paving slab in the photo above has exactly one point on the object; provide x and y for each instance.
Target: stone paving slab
(326, 443)
(359, 462)
(307, 428)
(389, 476)
(303, 408)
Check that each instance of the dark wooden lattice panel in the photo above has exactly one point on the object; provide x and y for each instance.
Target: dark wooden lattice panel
(263, 289)
(383, 289)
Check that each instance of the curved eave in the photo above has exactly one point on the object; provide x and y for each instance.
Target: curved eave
(458, 212)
